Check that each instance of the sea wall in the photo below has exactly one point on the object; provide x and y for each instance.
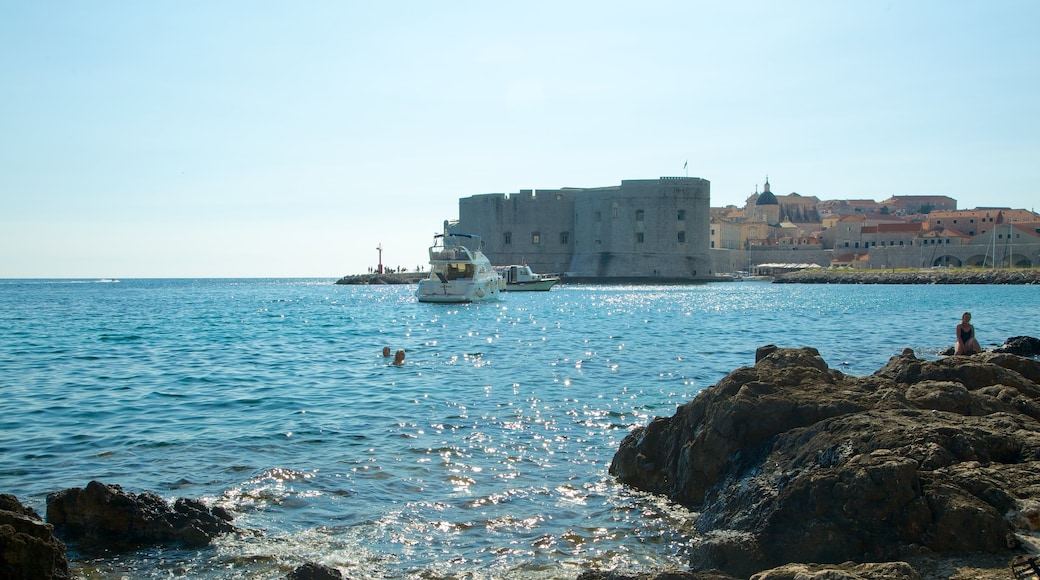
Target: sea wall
(938, 276)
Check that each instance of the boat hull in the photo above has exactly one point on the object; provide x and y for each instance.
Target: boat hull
(437, 292)
(520, 278)
(537, 286)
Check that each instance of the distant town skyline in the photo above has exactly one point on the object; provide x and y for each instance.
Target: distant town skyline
(240, 140)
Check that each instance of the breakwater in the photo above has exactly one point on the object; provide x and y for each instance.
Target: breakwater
(943, 276)
(377, 279)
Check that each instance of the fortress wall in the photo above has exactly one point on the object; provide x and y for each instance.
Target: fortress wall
(627, 231)
(633, 231)
(532, 226)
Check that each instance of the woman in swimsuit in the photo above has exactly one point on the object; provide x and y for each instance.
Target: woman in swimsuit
(966, 343)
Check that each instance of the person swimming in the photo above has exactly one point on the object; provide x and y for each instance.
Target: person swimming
(966, 343)
(398, 358)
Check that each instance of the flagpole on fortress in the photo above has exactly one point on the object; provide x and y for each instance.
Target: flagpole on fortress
(685, 163)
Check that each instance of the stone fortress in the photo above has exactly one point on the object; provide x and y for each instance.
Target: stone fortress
(651, 228)
(665, 229)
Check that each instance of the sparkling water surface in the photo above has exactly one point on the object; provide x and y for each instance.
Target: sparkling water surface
(484, 456)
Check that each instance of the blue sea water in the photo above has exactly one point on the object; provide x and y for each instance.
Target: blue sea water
(484, 456)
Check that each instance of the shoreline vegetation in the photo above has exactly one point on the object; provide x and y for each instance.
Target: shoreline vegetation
(815, 276)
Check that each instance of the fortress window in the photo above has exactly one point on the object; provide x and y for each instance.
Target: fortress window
(682, 238)
(682, 215)
(598, 216)
(639, 237)
(536, 238)
(639, 215)
(565, 238)
(507, 238)
(616, 211)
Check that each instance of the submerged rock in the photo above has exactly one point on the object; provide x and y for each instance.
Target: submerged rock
(104, 516)
(314, 571)
(791, 461)
(28, 548)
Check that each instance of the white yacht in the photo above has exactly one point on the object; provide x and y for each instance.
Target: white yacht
(458, 273)
(520, 278)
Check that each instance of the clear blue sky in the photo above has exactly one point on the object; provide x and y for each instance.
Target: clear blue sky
(212, 139)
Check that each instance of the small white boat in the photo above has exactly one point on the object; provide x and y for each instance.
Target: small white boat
(743, 276)
(458, 273)
(520, 278)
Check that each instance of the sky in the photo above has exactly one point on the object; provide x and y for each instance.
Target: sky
(181, 139)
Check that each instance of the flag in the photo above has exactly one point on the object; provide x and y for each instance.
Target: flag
(684, 164)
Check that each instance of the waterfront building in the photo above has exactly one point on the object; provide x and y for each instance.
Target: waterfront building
(980, 220)
(891, 234)
(641, 229)
(735, 233)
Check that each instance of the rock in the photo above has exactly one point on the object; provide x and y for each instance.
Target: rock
(1020, 345)
(846, 571)
(312, 571)
(104, 516)
(791, 461)
(28, 548)
(670, 575)
(764, 351)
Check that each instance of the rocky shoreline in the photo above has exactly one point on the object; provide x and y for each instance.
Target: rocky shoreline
(939, 276)
(817, 276)
(926, 469)
(791, 462)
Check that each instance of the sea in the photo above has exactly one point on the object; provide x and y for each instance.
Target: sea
(485, 455)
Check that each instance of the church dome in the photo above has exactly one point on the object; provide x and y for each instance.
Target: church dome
(766, 198)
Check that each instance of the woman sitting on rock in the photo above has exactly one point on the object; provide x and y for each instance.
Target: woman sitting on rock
(966, 343)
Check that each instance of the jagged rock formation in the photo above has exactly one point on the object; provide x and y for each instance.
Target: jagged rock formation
(28, 548)
(1020, 345)
(791, 461)
(104, 516)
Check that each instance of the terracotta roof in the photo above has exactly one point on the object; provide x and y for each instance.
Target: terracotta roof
(892, 228)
